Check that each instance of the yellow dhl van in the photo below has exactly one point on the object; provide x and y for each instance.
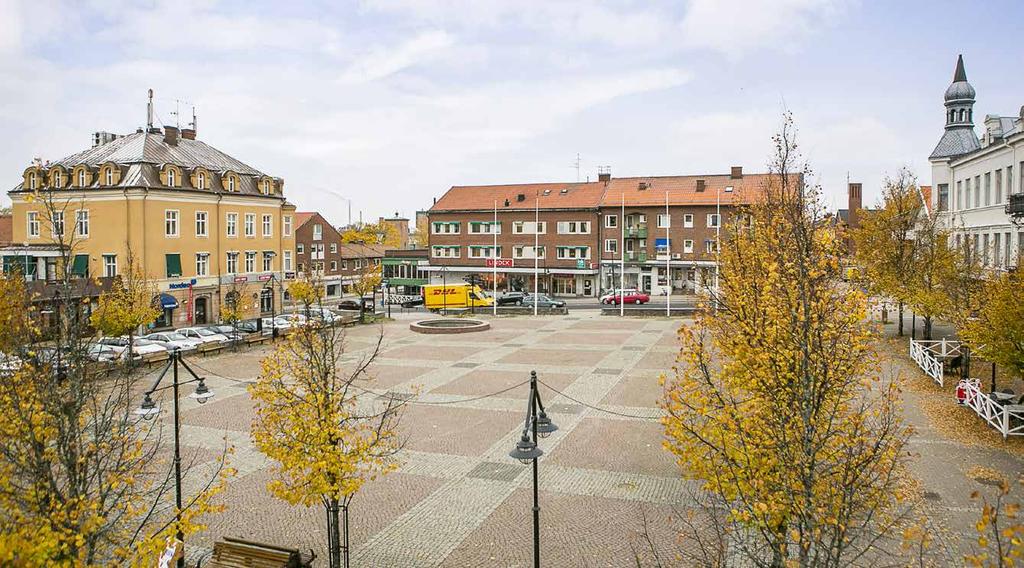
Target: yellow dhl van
(455, 296)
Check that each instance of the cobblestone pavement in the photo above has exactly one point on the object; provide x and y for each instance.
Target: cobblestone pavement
(459, 500)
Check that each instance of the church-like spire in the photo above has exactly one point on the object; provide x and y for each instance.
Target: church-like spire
(960, 74)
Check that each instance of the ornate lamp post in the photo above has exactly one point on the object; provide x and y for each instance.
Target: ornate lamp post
(150, 409)
(526, 450)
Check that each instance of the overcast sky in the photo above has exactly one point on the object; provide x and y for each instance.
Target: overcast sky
(389, 103)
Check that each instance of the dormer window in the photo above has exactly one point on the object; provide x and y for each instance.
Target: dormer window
(266, 187)
(172, 176)
(231, 183)
(58, 180)
(32, 183)
(201, 180)
(81, 178)
(108, 178)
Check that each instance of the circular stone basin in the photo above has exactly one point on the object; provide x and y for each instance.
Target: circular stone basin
(442, 325)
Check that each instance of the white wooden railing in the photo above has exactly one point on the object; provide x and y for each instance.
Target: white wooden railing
(1008, 419)
(931, 356)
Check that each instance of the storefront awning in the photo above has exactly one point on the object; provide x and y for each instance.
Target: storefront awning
(168, 302)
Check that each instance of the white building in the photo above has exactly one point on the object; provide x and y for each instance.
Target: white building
(973, 179)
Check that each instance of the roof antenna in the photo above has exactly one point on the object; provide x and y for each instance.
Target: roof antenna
(149, 112)
(194, 118)
(576, 165)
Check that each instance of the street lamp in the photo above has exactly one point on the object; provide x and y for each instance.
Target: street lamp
(526, 451)
(149, 409)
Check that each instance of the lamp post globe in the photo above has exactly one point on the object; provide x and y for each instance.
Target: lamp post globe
(148, 410)
(545, 427)
(202, 393)
(526, 451)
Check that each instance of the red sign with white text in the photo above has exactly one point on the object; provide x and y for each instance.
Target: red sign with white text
(499, 262)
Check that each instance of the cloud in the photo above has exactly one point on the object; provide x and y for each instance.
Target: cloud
(381, 62)
(734, 27)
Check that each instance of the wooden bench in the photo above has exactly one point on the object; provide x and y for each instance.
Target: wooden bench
(238, 553)
(257, 338)
(207, 348)
(153, 358)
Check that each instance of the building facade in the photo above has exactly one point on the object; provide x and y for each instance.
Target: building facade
(405, 270)
(974, 178)
(318, 253)
(591, 236)
(202, 227)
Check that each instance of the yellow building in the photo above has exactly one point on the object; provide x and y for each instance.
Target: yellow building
(203, 227)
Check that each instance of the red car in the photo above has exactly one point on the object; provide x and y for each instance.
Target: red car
(629, 297)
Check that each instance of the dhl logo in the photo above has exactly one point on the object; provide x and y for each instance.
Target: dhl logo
(445, 291)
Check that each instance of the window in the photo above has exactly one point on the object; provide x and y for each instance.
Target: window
(484, 227)
(201, 180)
(344, 264)
(32, 183)
(300, 248)
(33, 224)
(688, 246)
(611, 221)
(286, 223)
(232, 224)
(109, 265)
(58, 223)
(1009, 181)
(977, 191)
(997, 247)
(58, 179)
(268, 225)
(988, 188)
(173, 265)
(688, 221)
(709, 246)
(572, 252)
(202, 264)
(81, 178)
(334, 266)
(334, 248)
(611, 245)
(445, 228)
(521, 251)
(286, 260)
(108, 176)
(943, 196)
(268, 261)
(318, 232)
(439, 252)
(266, 187)
(967, 194)
(984, 249)
(201, 224)
(527, 227)
(484, 252)
(712, 220)
(82, 223)
(999, 186)
(359, 263)
(250, 224)
(574, 227)
(231, 183)
(250, 261)
(664, 221)
(959, 204)
(232, 266)
(171, 222)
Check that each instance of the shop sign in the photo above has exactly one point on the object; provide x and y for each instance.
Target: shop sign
(240, 279)
(182, 285)
(265, 277)
(499, 262)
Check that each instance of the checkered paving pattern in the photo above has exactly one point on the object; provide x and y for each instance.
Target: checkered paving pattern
(458, 499)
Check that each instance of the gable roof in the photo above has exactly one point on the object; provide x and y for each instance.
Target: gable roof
(521, 196)
(303, 217)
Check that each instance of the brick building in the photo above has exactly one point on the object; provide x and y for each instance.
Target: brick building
(584, 230)
(318, 252)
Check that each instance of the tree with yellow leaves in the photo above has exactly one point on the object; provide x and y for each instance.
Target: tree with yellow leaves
(379, 233)
(996, 330)
(883, 243)
(1000, 541)
(127, 307)
(776, 406)
(81, 482)
(324, 445)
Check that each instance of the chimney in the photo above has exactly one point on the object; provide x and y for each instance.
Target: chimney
(171, 135)
(188, 133)
(700, 185)
(855, 204)
(737, 172)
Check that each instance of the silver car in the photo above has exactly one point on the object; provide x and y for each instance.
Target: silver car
(171, 340)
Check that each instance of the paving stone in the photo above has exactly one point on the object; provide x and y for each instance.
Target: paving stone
(496, 471)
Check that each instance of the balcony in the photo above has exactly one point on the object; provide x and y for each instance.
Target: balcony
(636, 256)
(638, 231)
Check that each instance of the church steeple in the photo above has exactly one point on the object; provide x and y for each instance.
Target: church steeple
(959, 137)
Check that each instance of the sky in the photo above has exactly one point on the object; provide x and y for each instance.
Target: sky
(382, 105)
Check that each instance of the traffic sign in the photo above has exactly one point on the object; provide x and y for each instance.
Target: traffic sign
(499, 262)
(580, 263)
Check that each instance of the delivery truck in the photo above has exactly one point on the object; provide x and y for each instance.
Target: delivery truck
(455, 296)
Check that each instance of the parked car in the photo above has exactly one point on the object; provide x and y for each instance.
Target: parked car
(353, 304)
(607, 295)
(247, 326)
(318, 313)
(102, 353)
(171, 340)
(203, 335)
(53, 358)
(629, 297)
(413, 302)
(140, 346)
(232, 333)
(543, 301)
(511, 299)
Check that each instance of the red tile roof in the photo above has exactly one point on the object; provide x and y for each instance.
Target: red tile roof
(637, 191)
(926, 193)
(302, 216)
(359, 250)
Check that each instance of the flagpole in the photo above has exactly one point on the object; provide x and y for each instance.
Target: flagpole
(668, 262)
(536, 242)
(622, 260)
(494, 257)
